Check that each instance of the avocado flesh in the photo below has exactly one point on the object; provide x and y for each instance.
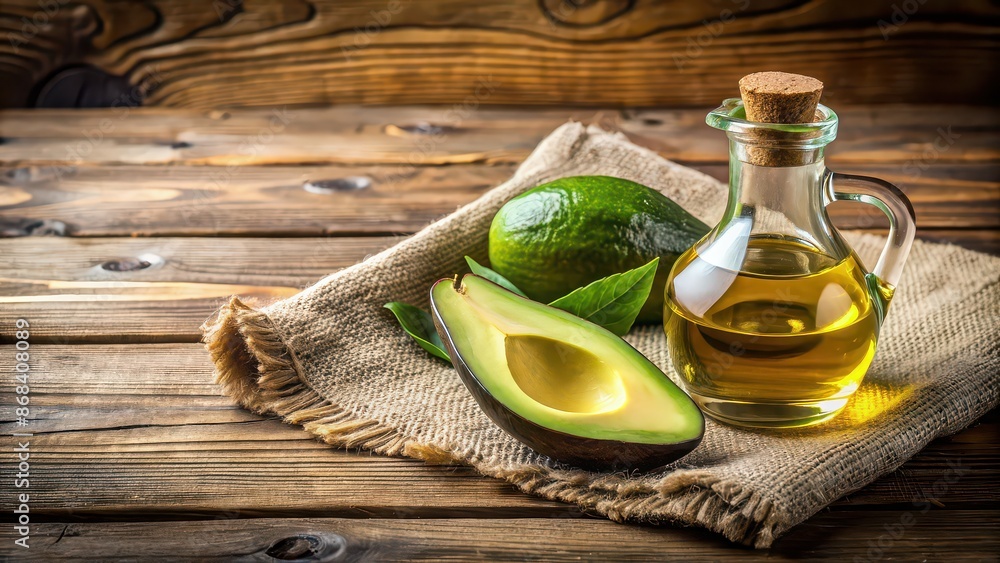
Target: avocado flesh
(565, 387)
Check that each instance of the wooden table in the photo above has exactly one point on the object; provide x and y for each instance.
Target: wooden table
(128, 228)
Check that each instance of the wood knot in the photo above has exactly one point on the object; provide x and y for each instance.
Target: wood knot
(584, 13)
(125, 265)
(28, 174)
(20, 175)
(421, 128)
(132, 264)
(347, 184)
(23, 227)
(308, 547)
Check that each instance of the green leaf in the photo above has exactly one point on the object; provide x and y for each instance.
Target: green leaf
(494, 277)
(420, 326)
(612, 302)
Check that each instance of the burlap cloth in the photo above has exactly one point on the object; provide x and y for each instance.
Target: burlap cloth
(333, 360)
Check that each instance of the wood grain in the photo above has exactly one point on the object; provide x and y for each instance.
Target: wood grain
(185, 53)
(292, 201)
(60, 285)
(186, 282)
(128, 432)
(967, 535)
(264, 262)
(251, 201)
(414, 136)
(152, 418)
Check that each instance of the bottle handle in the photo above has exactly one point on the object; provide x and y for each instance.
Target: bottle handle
(896, 206)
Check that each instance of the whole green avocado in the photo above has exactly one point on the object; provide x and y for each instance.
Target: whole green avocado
(565, 234)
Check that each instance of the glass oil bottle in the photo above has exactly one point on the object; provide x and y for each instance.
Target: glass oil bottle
(771, 319)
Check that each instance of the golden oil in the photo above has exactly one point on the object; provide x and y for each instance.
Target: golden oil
(783, 341)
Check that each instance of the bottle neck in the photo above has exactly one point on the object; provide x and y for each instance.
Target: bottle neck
(769, 148)
(778, 201)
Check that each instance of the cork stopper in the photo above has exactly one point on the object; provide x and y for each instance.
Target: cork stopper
(778, 97)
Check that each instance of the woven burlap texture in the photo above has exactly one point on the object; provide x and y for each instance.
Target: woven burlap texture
(335, 361)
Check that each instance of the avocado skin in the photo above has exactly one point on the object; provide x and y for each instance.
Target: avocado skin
(565, 234)
(585, 453)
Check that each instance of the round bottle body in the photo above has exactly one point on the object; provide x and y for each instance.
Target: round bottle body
(783, 341)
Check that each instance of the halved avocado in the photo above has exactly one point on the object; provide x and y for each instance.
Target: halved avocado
(563, 386)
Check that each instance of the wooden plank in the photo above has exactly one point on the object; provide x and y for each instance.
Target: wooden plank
(320, 200)
(413, 136)
(969, 535)
(60, 286)
(278, 262)
(151, 418)
(186, 282)
(266, 262)
(247, 201)
(94, 319)
(987, 241)
(193, 54)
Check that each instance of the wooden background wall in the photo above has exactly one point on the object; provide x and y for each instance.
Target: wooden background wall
(232, 53)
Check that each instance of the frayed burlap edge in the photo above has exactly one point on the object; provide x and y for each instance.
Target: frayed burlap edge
(258, 369)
